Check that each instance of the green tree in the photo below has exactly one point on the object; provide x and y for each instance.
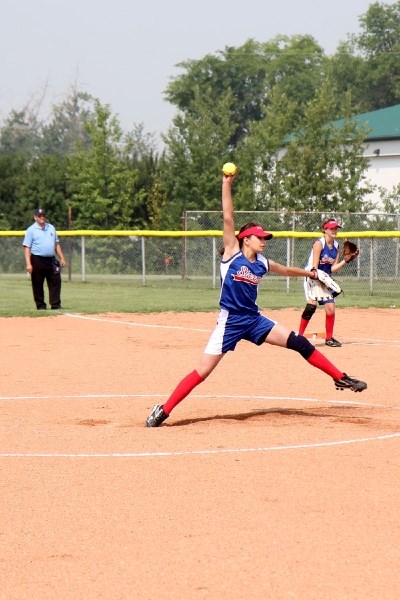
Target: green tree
(296, 66)
(347, 70)
(142, 158)
(257, 155)
(21, 134)
(391, 199)
(67, 129)
(45, 185)
(248, 74)
(197, 146)
(323, 168)
(13, 171)
(158, 204)
(100, 182)
(379, 42)
(367, 64)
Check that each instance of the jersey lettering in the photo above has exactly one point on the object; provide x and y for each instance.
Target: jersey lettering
(246, 276)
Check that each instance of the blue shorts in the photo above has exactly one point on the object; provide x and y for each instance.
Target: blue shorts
(233, 327)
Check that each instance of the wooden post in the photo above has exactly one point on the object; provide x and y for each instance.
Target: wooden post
(69, 244)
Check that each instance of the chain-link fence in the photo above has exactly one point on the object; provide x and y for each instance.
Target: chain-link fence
(375, 272)
(191, 258)
(293, 221)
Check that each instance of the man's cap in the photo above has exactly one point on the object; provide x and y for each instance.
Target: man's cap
(40, 211)
(256, 230)
(332, 224)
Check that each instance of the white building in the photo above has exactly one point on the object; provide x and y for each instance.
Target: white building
(382, 148)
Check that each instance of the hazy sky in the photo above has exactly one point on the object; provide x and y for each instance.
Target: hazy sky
(125, 51)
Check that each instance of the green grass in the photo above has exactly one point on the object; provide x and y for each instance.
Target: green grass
(120, 295)
(97, 297)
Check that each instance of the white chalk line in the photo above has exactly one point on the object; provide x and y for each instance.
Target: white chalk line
(200, 396)
(225, 396)
(352, 341)
(133, 324)
(200, 452)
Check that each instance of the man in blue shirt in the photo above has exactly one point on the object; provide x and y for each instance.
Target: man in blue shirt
(42, 247)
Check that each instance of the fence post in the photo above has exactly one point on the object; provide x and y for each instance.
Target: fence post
(214, 258)
(293, 239)
(83, 258)
(184, 245)
(288, 263)
(397, 241)
(142, 240)
(371, 267)
(69, 244)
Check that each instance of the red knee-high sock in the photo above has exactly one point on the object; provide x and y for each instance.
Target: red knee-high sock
(303, 325)
(182, 390)
(321, 362)
(329, 323)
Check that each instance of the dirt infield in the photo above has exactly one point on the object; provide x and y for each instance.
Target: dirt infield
(264, 483)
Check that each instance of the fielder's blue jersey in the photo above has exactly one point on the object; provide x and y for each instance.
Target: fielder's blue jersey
(326, 258)
(239, 282)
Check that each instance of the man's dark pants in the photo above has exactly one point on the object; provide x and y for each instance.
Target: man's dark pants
(43, 269)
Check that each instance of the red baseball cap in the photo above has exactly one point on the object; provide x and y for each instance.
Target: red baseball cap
(256, 230)
(332, 224)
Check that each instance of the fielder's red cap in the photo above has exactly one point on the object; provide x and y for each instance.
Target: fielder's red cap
(256, 230)
(332, 224)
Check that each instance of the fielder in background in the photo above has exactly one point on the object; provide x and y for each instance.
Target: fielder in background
(324, 256)
(42, 250)
(242, 267)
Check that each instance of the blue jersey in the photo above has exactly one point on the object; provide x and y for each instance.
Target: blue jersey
(41, 240)
(239, 317)
(326, 258)
(239, 282)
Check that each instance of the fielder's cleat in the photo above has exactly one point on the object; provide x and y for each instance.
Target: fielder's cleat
(348, 383)
(333, 343)
(156, 417)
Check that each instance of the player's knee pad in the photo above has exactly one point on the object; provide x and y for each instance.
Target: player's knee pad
(300, 344)
(309, 311)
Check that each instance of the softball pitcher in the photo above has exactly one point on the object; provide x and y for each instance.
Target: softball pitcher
(242, 267)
